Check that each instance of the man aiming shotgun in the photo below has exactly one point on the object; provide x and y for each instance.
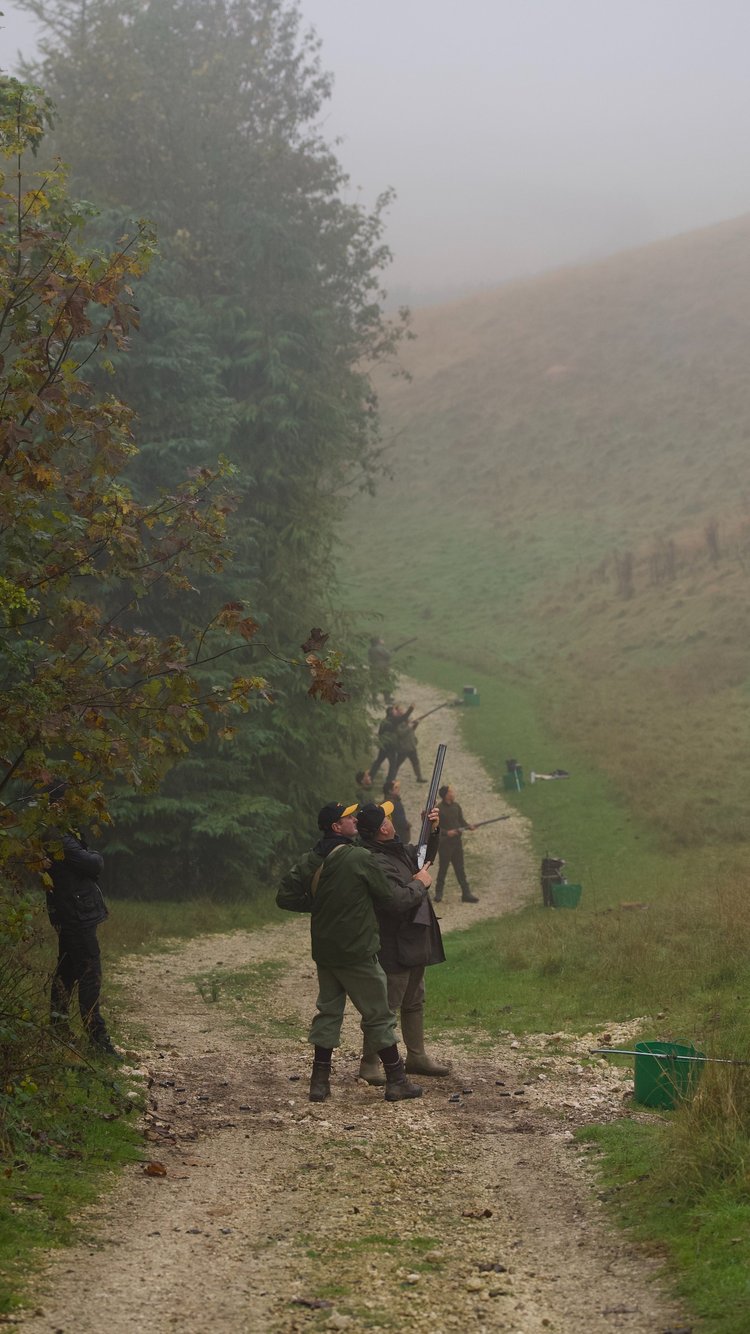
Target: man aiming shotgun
(409, 943)
(451, 851)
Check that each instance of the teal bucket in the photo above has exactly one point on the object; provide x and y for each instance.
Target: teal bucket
(471, 697)
(661, 1079)
(514, 782)
(566, 896)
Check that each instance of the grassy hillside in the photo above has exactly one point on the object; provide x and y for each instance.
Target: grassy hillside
(570, 513)
(568, 528)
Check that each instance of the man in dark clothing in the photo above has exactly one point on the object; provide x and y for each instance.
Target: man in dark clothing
(408, 944)
(392, 793)
(76, 907)
(386, 743)
(451, 851)
(364, 786)
(379, 659)
(406, 742)
(341, 886)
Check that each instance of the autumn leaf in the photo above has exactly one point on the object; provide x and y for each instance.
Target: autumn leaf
(155, 1170)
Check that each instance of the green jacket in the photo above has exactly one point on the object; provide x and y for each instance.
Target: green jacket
(343, 925)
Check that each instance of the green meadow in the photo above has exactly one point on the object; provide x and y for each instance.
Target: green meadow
(567, 527)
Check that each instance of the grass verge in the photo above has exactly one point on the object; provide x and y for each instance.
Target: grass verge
(702, 1231)
(68, 1142)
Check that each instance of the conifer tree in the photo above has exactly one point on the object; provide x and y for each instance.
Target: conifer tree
(202, 115)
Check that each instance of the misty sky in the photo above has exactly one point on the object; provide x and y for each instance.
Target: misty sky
(524, 134)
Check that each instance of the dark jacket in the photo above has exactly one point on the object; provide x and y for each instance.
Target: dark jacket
(406, 942)
(451, 817)
(406, 741)
(387, 737)
(351, 890)
(75, 898)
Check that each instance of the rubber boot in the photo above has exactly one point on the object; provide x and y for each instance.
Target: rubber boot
(469, 898)
(397, 1086)
(370, 1068)
(320, 1081)
(417, 1060)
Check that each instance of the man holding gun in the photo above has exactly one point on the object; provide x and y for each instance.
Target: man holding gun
(408, 943)
(451, 852)
(342, 887)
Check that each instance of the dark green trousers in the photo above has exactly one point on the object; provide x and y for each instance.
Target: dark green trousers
(365, 985)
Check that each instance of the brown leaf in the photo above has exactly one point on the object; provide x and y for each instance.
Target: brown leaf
(155, 1170)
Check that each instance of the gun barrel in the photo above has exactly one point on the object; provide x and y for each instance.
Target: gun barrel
(481, 823)
(404, 643)
(432, 792)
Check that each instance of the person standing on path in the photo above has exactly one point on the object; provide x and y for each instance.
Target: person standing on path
(76, 907)
(406, 742)
(386, 743)
(408, 945)
(339, 883)
(363, 781)
(392, 794)
(379, 659)
(451, 851)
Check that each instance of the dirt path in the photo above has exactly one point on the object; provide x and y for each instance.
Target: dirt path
(471, 1207)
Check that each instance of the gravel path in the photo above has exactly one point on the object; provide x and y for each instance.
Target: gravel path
(277, 1216)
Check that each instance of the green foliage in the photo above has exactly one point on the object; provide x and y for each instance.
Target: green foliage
(87, 691)
(703, 1230)
(265, 305)
(70, 1137)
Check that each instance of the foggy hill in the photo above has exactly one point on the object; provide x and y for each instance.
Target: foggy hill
(571, 503)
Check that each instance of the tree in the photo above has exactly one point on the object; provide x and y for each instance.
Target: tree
(203, 116)
(90, 693)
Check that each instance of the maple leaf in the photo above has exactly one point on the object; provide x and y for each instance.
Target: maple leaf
(326, 683)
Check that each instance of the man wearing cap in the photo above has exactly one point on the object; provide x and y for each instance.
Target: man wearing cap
(339, 883)
(408, 944)
(451, 850)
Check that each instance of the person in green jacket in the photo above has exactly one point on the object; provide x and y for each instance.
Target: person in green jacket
(408, 945)
(339, 883)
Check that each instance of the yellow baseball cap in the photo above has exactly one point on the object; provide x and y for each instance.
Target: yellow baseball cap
(333, 812)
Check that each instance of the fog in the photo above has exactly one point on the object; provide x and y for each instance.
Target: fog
(524, 134)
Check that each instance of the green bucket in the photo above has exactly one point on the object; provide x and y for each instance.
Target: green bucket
(471, 697)
(566, 896)
(514, 782)
(662, 1080)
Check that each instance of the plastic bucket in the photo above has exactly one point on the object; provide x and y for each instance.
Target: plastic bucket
(660, 1079)
(514, 782)
(566, 896)
(471, 697)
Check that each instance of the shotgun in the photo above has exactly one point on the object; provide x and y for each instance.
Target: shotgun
(432, 792)
(447, 704)
(482, 823)
(404, 643)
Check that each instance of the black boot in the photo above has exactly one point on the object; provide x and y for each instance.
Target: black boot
(103, 1045)
(397, 1086)
(320, 1079)
(469, 898)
